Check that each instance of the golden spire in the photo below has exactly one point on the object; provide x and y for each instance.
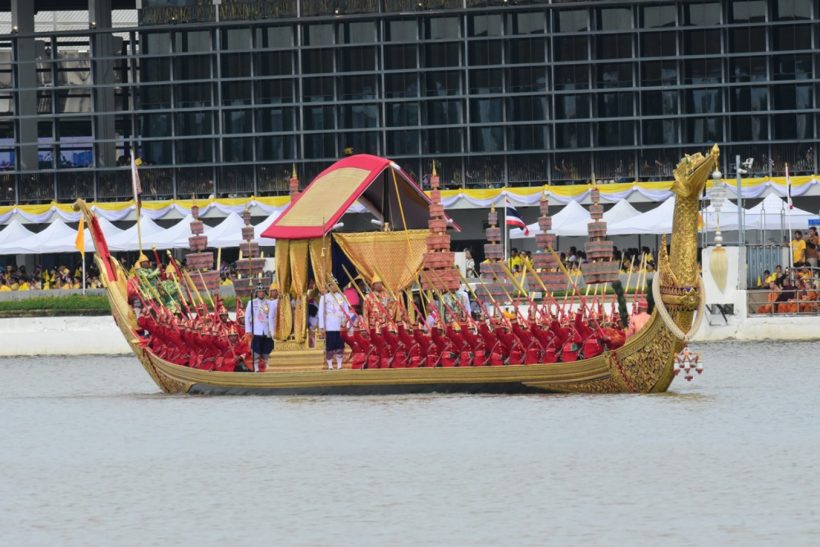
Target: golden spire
(434, 168)
(293, 172)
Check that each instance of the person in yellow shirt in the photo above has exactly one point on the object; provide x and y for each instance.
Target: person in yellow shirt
(3, 286)
(23, 285)
(516, 260)
(798, 248)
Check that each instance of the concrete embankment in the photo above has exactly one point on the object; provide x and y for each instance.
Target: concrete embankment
(96, 335)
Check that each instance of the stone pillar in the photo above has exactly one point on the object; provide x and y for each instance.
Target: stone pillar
(104, 44)
(25, 54)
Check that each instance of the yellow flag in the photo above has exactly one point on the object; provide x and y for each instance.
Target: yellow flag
(79, 243)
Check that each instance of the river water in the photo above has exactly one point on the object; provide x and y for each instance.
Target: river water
(92, 454)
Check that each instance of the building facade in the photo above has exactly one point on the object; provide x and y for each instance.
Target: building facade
(226, 99)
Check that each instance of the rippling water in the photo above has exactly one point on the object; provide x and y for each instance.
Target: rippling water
(92, 454)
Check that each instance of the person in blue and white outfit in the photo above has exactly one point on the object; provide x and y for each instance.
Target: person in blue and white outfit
(334, 315)
(257, 324)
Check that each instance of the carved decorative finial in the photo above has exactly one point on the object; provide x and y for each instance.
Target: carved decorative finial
(293, 171)
(434, 168)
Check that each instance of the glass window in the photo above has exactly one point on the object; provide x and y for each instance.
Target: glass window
(572, 77)
(614, 46)
(442, 28)
(317, 61)
(358, 116)
(526, 51)
(485, 52)
(792, 97)
(192, 41)
(750, 128)
(748, 11)
(660, 131)
(792, 9)
(446, 54)
(403, 143)
(569, 107)
(486, 81)
(402, 114)
(572, 135)
(487, 139)
(791, 37)
(357, 87)
(272, 120)
(188, 95)
(357, 59)
(571, 48)
(525, 23)
(659, 103)
(153, 70)
(273, 63)
(527, 137)
(614, 75)
(484, 25)
(442, 83)
(658, 44)
(703, 101)
(486, 110)
(192, 67)
(442, 141)
(316, 118)
(442, 112)
(658, 16)
(235, 93)
(318, 34)
(356, 32)
(399, 57)
(236, 39)
(237, 121)
(615, 19)
(274, 37)
(154, 43)
(615, 105)
(749, 99)
(362, 142)
(237, 150)
(702, 71)
(236, 65)
(746, 69)
(793, 126)
(701, 42)
(194, 151)
(524, 79)
(318, 89)
(275, 148)
(402, 30)
(274, 91)
(616, 133)
(706, 14)
(155, 96)
(320, 145)
(404, 84)
(527, 109)
(792, 67)
(572, 21)
(747, 39)
(704, 130)
(659, 73)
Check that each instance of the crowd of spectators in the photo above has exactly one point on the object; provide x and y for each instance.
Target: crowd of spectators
(795, 289)
(18, 278)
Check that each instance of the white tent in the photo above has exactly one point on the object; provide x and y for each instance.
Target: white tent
(262, 226)
(571, 216)
(175, 237)
(227, 233)
(13, 233)
(772, 214)
(654, 221)
(728, 217)
(126, 240)
(619, 212)
(58, 237)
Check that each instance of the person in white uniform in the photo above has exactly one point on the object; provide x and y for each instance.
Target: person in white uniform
(334, 315)
(257, 324)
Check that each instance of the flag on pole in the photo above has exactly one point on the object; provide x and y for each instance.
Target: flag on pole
(514, 219)
(79, 243)
(135, 181)
(789, 188)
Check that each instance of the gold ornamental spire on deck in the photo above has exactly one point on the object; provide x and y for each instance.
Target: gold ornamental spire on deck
(199, 262)
(250, 265)
(600, 267)
(293, 184)
(439, 261)
(544, 262)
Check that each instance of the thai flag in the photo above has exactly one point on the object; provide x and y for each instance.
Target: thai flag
(514, 219)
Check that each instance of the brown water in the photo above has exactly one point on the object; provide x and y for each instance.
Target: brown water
(92, 454)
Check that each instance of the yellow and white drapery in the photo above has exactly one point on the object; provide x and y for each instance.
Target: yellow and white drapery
(395, 256)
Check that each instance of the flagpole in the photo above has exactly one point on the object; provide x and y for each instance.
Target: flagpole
(135, 185)
(789, 218)
(83, 254)
(506, 232)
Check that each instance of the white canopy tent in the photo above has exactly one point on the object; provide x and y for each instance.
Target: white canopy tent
(126, 240)
(573, 214)
(262, 226)
(619, 212)
(728, 217)
(13, 233)
(175, 237)
(227, 233)
(772, 214)
(58, 237)
(654, 221)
